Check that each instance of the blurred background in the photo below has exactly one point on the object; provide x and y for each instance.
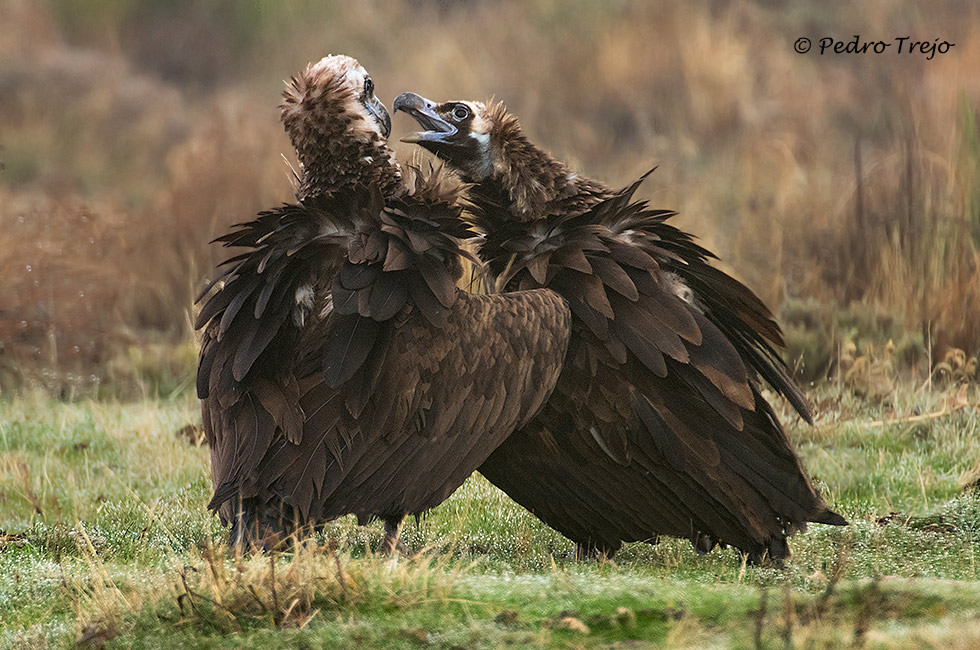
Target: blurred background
(844, 189)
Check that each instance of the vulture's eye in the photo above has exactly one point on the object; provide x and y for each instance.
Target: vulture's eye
(368, 87)
(460, 113)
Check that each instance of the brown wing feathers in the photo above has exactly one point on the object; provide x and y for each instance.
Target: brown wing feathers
(247, 320)
(738, 313)
(341, 370)
(747, 494)
(478, 379)
(697, 451)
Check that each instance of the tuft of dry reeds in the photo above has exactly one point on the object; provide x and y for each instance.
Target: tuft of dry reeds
(220, 592)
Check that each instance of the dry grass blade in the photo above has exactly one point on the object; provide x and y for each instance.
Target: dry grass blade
(951, 405)
(288, 590)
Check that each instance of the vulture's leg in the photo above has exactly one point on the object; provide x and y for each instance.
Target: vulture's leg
(703, 543)
(236, 537)
(756, 559)
(653, 541)
(241, 535)
(777, 551)
(591, 551)
(581, 552)
(273, 529)
(252, 531)
(392, 540)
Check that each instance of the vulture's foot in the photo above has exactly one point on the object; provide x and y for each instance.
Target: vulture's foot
(392, 543)
(257, 537)
(250, 531)
(776, 552)
(703, 543)
(583, 551)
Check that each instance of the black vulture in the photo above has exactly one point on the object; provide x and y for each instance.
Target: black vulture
(341, 370)
(657, 425)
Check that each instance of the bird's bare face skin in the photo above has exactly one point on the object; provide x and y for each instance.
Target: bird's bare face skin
(457, 132)
(342, 75)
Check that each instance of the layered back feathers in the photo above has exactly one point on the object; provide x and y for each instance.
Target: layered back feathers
(658, 424)
(355, 239)
(569, 232)
(315, 280)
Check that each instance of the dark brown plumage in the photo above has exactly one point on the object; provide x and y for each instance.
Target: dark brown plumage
(657, 425)
(341, 370)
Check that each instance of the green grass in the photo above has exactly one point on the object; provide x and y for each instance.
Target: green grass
(106, 539)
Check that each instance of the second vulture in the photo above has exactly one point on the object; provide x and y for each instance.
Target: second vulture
(657, 425)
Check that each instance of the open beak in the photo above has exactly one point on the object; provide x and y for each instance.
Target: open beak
(380, 114)
(424, 112)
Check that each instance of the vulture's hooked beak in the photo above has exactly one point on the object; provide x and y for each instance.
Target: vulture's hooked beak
(380, 114)
(423, 110)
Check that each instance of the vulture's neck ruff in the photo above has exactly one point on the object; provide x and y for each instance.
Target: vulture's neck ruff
(532, 184)
(486, 146)
(338, 129)
(521, 198)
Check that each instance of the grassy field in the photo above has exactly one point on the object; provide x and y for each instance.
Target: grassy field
(106, 543)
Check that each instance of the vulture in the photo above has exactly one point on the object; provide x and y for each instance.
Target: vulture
(341, 369)
(658, 425)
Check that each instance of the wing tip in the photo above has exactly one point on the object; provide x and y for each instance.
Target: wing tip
(829, 517)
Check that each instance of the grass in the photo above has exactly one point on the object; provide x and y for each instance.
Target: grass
(106, 542)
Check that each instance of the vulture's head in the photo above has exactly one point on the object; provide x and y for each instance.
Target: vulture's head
(470, 136)
(333, 98)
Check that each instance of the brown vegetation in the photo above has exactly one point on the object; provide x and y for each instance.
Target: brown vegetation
(134, 134)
